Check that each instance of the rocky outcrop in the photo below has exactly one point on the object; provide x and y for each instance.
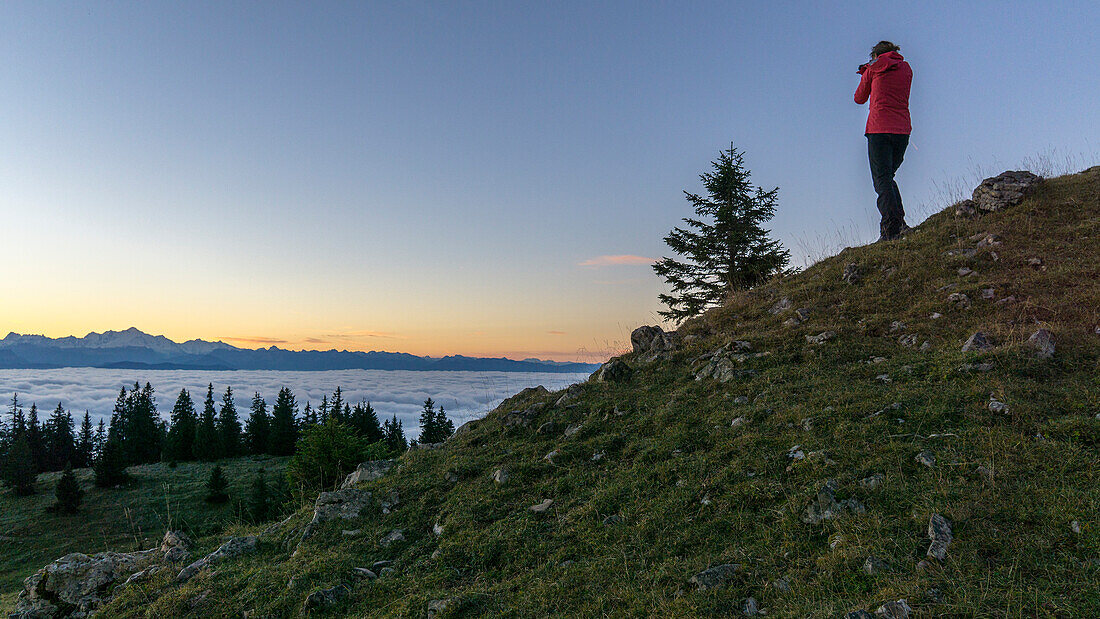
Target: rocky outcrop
(714, 577)
(614, 371)
(343, 504)
(939, 531)
(1043, 343)
(235, 547)
(76, 584)
(522, 417)
(367, 471)
(826, 507)
(1004, 190)
(978, 342)
(651, 343)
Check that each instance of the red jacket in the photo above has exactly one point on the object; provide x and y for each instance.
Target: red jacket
(886, 82)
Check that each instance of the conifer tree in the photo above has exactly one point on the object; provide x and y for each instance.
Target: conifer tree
(445, 425)
(180, 445)
(60, 446)
(394, 435)
(217, 487)
(284, 428)
(229, 426)
(322, 412)
(364, 421)
(99, 441)
(309, 416)
(336, 406)
(21, 473)
(724, 248)
(258, 427)
(429, 424)
(35, 440)
(207, 443)
(69, 495)
(110, 467)
(85, 443)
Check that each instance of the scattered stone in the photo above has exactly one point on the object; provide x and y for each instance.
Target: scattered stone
(894, 610)
(936, 316)
(965, 272)
(572, 392)
(368, 471)
(546, 428)
(925, 346)
(363, 573)
(715, 577)
(935, 596)
(1043, 343)
(437, 529)
(351, 532)
(939, 531)
(325, 598)
(599, 455)
(381, 565)
(1004, 190)
(820, 338)
(835, 540)
(851, 274)
(802, 313)
(996, 406)
(386, 571)
(614, 371)
(959, 300)
(793, 321)
(796, 453)
(523, 418)
(738, 422)
(573, 429)
(989, 240)
(1075, 527)
(908, 340)
(451, 476)
(872, 482)
(391, 538)
(808, 424)
(781, 306)
(947, 287)
(978, 342)
(782, 584)
(1035, 263)
(741, 400)
(861, 614)
(751, 608)
(883, 378)
(874, 566)
(926, 458)
(612, 520)
(988, 294)
(826, 507)
(976, 367)
(235, 547)
(550, 456)
(542, 507)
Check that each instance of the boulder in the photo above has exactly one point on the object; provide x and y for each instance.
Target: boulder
(894, 610)
(522, 417)
(614, 371)
(1043, 343)
(820, 338)
(826, 507)
(1004, 190)
(345, 504)
(715, 577)
(235, 547)
(542, 507)
(78, 583)
(367, 471)
(652, 342)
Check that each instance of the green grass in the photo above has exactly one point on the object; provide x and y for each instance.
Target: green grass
(117, 519)
(693, 492)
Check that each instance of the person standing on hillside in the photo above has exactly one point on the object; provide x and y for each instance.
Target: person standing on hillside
(885, 81)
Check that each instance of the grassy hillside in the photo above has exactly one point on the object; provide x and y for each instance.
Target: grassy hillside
(116, 519)
(660, 476)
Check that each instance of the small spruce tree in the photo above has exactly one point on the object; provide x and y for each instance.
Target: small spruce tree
(257, 430)
(69, 495)
(110, 467)
(217, 488)
(284, 427)
(724, 248)
(207, 445)
(259, 498)
(229, 426)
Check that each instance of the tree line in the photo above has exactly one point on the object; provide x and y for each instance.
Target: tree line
(137, 434)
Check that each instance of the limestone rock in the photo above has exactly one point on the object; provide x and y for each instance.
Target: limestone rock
(750, 608)
(391, 538)
(926, 458)
(978, 342)
(820, 338)
(1043, 343)
(715, 577)
(874, 566)
(542, 507)
(652, 342)
(523, 418)
(345, 504)
(438, 607)
(500, 476)
(614, 371)
(872, 482)
(77, 583)
(826, 507)
(367, 471)
(235, 547)
(959, 300)
(572, 394)
(997, 406)
(859, 614)
(939, 531)
(1004, 190)
(894, 610)
(363, 573)
(966, 208)
(781, 306)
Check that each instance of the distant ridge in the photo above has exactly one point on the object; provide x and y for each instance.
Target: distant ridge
(135, 349)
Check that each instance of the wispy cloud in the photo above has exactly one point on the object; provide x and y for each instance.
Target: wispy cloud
(614, 261)
(315, 340)
(253, 340)
(556, 332)
(355, 335)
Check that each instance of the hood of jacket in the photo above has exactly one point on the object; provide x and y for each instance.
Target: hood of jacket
(886, 62)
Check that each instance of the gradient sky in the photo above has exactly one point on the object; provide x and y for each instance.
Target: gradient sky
(453, 177)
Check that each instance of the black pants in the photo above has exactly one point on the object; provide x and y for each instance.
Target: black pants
(885, 151)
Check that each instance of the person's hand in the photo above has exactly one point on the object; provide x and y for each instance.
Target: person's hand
(863, 67)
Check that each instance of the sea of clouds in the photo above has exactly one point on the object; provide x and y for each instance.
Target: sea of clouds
(464, 395)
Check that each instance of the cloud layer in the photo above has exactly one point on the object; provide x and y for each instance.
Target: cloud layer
(464, 395)
(621, 260)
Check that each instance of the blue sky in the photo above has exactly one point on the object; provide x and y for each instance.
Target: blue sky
(430, 177)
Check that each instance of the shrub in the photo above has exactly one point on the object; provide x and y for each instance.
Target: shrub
(217, 487)
(69, 494)
(325, 454)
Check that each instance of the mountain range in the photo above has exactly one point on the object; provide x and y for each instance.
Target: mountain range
(135, 349)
